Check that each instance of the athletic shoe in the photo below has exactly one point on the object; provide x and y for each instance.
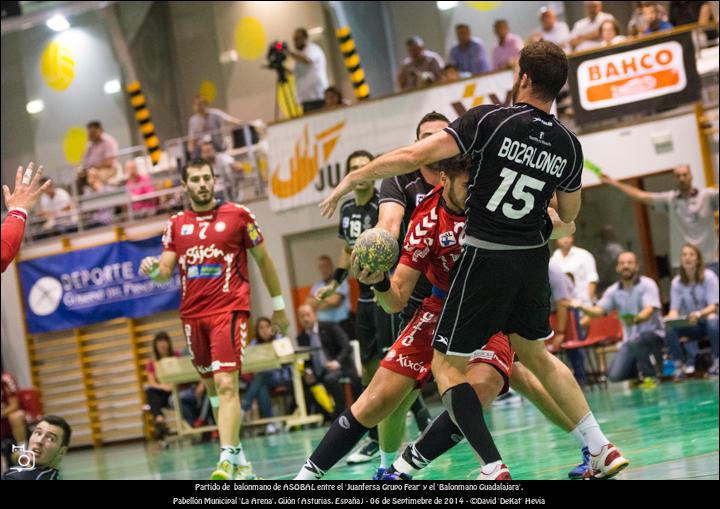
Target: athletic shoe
(379, 474)
(245, 473)
(223, 472)
(271, 429)
(509, 398)
(501, 473)
(607, 464)
(366, 453)
(648, 383)
(713, 371)
(394, 475)
(689, 370)
(579, 471)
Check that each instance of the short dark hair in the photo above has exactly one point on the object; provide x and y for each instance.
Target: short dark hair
(94, 123)
(433, 116)
(455, 166)
(303, 32)
(325, 258)
(357, 153)
(196, 163)
(260, 320)
(500, 22)
(546, 65)
(450, 65)
(160, 336)
(462, 25)
(54, 420)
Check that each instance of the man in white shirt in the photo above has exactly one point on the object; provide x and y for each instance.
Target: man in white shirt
(310, 71)
(586, 31)
(581, 264)
(552, 30)
(58, 210)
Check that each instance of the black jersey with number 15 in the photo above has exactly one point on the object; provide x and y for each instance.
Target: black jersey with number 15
(520, 156)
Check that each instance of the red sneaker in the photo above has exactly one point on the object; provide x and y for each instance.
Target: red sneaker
(607, 464)
(500, 473)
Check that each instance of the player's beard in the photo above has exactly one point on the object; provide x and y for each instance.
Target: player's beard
(515, 91)
(197, 200)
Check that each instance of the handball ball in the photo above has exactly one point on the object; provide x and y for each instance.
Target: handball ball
(376, 250)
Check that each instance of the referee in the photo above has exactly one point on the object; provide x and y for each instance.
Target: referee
(522, 157)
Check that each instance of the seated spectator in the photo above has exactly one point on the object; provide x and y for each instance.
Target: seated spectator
(507, 50)
(206, 121)
(421, 67)
(49, 443)
(100, 153)
(335, 308)
(468, 55)
(332, 357)
(654, 21)
(610, 33)
(228, 172)
(333, 98)
(58, 210)
(450, 73)
(552, 30)
(581, 264)
(693, 296)
(139, 184)
(14, 426)
(637, 300)
(585, 33)
(265, 381)
(159, 395)
(96, 186)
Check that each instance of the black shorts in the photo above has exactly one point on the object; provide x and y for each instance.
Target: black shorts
(491, 292)
(376, 331)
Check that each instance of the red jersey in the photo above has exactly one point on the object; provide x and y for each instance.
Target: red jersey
(432, 244)
(13, 229)
(212, 258)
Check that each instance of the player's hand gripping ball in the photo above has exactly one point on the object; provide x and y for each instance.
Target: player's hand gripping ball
(376, 250)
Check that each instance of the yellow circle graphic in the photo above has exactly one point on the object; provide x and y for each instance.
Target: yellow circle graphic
(484, 6)
(250, 39)
(207, 91)
(74, 144)
(57, 66)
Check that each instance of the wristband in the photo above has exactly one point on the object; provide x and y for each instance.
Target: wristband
(340, 275)
(382, 286)
(18, 212)
(278, 303)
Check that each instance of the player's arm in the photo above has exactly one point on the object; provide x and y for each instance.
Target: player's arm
(560, 228)
(341, 273)
(13, 405)
(393, 295)
(440, 145)
(390, 218)
(272, 283)
(568, 205)
(160, 269)
(632, 192)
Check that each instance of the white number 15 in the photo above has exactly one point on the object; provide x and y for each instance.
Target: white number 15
(518, 193)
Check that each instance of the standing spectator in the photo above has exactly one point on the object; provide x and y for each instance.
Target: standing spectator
(49, 442)
(139, 184)
(691, 210)
(683, 13)
(264, 381)
(421, 66)
(14, 426)
(58, 209)
(606, 258)
(507, 50)
(468, 54)
(586, 31)
(226, 167)
(694, 296)
(207, 121)
(580, 263)
(310, 71)
(95, 186)
(100, 152)
(610, 33)
(335, 308)
(654, 21)
(553, 30)
(637, 300)
(332, 357)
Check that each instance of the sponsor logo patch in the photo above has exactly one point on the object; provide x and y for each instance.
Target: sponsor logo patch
(187, 229)
(407, 363)
(204, 271)
(254, 234)
(448, 239)
(220, 226)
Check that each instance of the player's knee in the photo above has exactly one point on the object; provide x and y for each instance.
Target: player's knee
(371, 407)
(226, 387)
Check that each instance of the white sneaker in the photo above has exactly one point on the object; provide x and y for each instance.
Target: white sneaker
(689, 370)
(271, 429)
(366, 453)
(500, 473)
(608, 463)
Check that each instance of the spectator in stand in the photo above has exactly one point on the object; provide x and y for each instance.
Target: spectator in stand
(14, 426)
(207, 121)
(421, 67)
(654, 21)
(158, 395)
(265, 381)
(580, 263)
(226, 167)
(606, 258)
(100, 152)
(468, 54)
(586, 31)
(637, 300)
(693, 297)
(552, 30)
(49, 443)
(333, 98)
(335, 308)
(138, 185)
(683, 13)
(58, 210)
(310, 71)
(450, 73)
(610, 33)
(96, 186)
(691, 210)
(507, 50)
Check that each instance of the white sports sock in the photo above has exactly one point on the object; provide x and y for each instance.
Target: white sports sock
(590, 430)
(386, 458)
(490, 467)
(402, 466)
(227, 453)
(579, 438)
(240, 458)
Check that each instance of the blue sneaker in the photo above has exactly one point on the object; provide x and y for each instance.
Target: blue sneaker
(379, 474)
(579, 471)
(395, 476)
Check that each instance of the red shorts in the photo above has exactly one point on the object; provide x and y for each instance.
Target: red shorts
(412, 353)
(216, 342)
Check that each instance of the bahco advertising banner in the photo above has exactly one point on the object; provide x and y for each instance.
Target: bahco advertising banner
(648, 76)
(307, 155)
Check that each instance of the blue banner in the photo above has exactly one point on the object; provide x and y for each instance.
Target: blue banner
(94, 285)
